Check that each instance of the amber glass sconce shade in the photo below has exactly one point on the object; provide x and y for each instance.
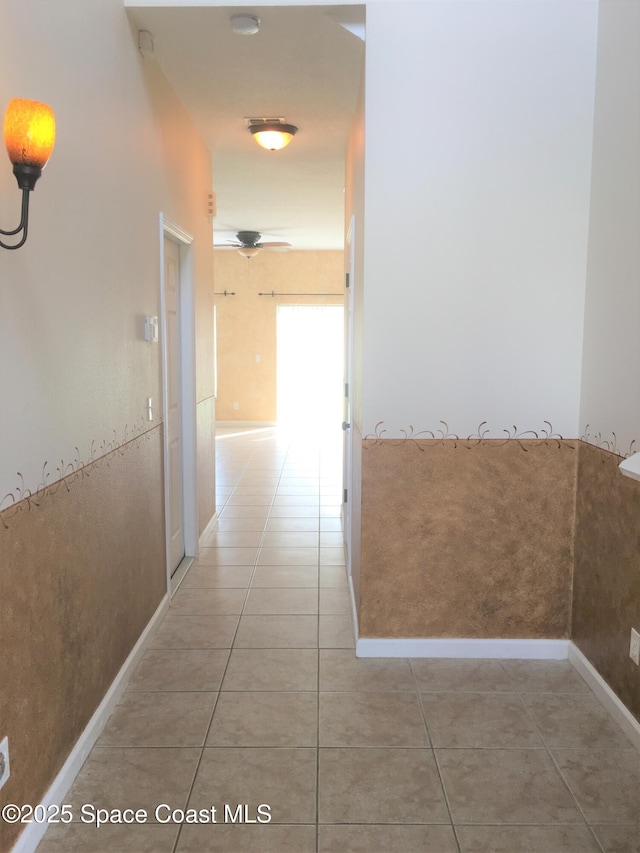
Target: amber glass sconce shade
(29, 134)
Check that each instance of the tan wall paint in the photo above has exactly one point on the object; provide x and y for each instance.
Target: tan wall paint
(74, 297)
(247, 322)
(186, 182)
(82, 561)
(184, 203)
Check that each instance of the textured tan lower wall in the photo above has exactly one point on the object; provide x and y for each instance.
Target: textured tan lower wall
(606, 601)
(467, 539)
(81, 574)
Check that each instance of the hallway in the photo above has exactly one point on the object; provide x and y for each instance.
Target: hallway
(250, 693)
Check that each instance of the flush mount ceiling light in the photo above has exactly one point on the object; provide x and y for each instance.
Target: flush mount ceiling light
(245, 25)
(29, 134)
(271, 133)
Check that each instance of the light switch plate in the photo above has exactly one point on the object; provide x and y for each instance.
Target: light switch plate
(5, 771)
(151, 329)
(634, 647)
(630, 467)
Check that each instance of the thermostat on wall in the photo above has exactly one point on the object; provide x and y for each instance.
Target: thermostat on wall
(151, 329)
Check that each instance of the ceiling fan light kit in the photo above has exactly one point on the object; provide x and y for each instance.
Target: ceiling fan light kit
(249, 251)
(272, 134)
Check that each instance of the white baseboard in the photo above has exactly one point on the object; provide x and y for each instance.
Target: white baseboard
(461, 648)
(354, 609)
(180, 574)
(34, 832)
(503, 649)
(618, 710)
(210, 528)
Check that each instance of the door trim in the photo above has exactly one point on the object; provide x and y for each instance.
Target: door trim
(347, 462)
(170, 230)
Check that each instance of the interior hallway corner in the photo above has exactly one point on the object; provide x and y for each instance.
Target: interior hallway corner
(250, 692)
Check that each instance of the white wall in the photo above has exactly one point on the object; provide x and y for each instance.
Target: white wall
(76, 371)
(611, 383)
(478, 126)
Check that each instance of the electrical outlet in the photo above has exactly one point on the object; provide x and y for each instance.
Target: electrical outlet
(4, 761)
(634, 647)
(236, 406)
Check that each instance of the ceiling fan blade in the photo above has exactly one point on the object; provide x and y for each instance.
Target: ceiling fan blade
(274, 244)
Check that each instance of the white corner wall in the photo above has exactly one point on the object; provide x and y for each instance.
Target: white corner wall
(76, 371)
(610, 409)
(478, 125)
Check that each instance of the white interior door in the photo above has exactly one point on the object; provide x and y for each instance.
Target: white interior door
(173, 391)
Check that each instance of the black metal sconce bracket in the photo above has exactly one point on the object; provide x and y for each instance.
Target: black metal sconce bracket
(26, 177)
(24, 221)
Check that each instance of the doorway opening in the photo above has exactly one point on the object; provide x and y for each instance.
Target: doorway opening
(310, 366)
(177, 301)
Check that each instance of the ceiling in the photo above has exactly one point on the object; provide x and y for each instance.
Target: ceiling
(304, 65)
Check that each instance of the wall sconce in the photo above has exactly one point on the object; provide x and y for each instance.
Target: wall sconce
(29, 134)
(272, 134)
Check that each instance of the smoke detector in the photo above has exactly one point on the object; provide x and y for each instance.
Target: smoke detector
(245, 25)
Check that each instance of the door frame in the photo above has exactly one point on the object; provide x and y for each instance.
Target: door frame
(347, 453)
(171, 231)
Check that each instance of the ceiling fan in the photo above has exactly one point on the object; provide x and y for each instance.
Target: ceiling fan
(248, 244)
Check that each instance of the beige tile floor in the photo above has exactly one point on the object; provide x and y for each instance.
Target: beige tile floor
(250, 693)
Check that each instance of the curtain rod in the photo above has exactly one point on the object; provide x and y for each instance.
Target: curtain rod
(272, 293)
(224, 293)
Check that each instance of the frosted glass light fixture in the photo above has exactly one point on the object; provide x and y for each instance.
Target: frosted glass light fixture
(272, 135)
(29, 134)
(249, 251)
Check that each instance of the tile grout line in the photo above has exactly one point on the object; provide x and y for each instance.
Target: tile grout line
(521, 696)
(547, 749)
(215, 704)
(317, 624)
(518, 689)
(257, 557)
(574, 798)
(199, 762)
